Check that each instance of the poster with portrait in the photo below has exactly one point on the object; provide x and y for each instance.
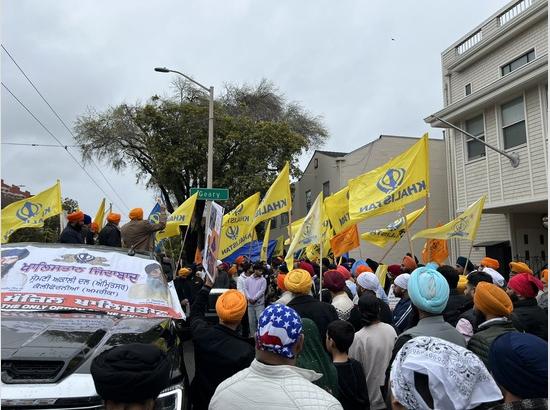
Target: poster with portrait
(212, 240)
(51, 278)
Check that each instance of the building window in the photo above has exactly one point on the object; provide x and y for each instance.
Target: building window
(284, 219)
(316, 163)
(468, 88)
(518, 62)
(274, 222)
(527, 256)
(326, 189)
(475, 126)
(513, 123)
(308, 200)
(526, 239)
(542, 239)
(543, 255)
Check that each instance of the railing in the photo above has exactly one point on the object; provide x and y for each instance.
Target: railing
(536, 263)
(469, 42)
(514, 11)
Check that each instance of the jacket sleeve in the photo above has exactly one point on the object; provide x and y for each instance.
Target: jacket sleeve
(198, 310)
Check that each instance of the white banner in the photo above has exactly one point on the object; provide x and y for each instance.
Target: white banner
(212, 240)
(50, 278)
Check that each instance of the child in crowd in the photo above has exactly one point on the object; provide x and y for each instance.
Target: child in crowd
(352, 383)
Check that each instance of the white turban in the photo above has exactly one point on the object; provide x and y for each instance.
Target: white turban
(369, 281)
(498, 279)
(457, 378)
(402, 280)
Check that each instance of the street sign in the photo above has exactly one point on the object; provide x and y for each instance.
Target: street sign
(211, 194)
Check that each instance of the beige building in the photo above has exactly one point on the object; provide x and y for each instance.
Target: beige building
(330, 171)
(495, 87)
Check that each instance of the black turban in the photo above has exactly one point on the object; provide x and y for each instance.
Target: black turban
(131, 373)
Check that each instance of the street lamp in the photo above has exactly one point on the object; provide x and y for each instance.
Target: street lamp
(210, 90)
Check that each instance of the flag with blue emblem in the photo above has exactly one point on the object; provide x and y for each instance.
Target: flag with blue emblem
(31, 212)
(154, 216)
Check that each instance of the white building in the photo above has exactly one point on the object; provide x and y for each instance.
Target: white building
(495, 87)
(330, 171)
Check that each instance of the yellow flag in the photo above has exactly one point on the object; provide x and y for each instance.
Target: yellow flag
(180, 217)
(462, 227)
(237, 226)
(100, 215)
(382, 274)
(394, 231)
(277, 199)
(337, 209)
(279, 246)
(294, 228)
(310, 231)
(31, 212)
(402, 180)
(265, 245)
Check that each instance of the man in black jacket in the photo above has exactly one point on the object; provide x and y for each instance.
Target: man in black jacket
(110, 234)
(73, 231)
(456, 300)
(219, 350)
(528, 315)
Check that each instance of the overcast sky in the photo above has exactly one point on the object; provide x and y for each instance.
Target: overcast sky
(337, 58)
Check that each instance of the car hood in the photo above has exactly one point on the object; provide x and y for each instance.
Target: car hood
(40, 347)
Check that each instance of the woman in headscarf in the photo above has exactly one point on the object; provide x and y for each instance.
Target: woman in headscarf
(314, 357)
(431, 373)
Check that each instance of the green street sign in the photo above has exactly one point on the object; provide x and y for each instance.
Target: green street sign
(211, 194)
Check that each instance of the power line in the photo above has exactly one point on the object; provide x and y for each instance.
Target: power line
(64, 124)
(54, 137)
(39, 145)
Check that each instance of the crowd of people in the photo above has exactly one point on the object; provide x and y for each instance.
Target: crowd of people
(321, 335)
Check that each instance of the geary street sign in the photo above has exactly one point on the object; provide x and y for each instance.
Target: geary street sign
(211, 194)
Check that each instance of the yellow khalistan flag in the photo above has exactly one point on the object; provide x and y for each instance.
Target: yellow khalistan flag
(462, 227)
(100, 215)
(337, 209)
(394, 231)
(277, 199)
(310, 231)
(280, 246)
(180, 217)
(265, 245)
(294, 228)
(31, 212)
(237, 227)
(402, 180)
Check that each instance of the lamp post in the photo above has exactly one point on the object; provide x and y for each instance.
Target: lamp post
(210, 90)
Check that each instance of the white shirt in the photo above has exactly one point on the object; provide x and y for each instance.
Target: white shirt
(372, 347)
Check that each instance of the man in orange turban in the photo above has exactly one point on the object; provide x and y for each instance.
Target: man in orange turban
(220, 351)
(110, 234)
(139, 233)
(408, 264)
(489, 263)
(519, 267)
(73, 231)
(492, 307)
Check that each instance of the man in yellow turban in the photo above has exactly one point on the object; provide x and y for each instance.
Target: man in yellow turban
(519, 267)
(298, 281)
(139, 233)
(220, 351)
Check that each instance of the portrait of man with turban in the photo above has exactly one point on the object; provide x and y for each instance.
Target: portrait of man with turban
(154, 287)
(10, 257)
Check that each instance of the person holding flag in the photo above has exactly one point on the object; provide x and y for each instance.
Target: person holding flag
(73, 231)
(138, 233)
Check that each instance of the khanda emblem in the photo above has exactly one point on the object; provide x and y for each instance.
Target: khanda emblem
(394, 226)
(28, 211)
(237, 211)
(459, 228)
(232, 232)
(84, 258)
(154, 218)
(391, 180)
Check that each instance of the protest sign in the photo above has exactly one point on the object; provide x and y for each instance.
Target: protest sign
(212, 240)
(56, 278)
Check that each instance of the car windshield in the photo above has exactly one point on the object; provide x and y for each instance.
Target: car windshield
(60, 277)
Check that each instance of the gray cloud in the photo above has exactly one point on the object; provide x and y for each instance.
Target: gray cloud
(336, 58)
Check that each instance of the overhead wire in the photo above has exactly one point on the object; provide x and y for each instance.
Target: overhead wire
(53, 136)
(64, 125)
(38, 145)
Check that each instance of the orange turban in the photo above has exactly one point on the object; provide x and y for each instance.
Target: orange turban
(409, 263)
(136, 213)
(185, 272)
(490, 299)
(298, 281)
(490, 263)
(363, 268)
(114, 218)
(281, 281)
(520, 267)
(240, 260)
(76, 216)
(232, 270)
(231, 306)
(544, 276)
(94, 227)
